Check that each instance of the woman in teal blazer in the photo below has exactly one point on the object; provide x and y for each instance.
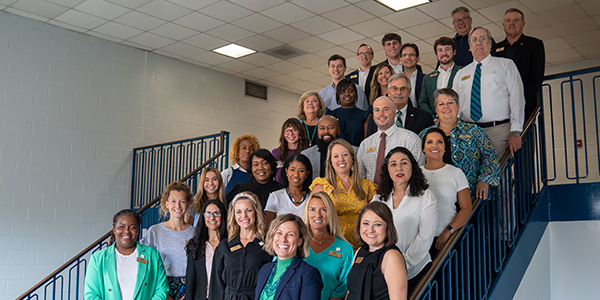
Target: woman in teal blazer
(112, 272)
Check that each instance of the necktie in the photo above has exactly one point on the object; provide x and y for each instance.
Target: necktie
(476, 95)
(399, 119)
(380, 158)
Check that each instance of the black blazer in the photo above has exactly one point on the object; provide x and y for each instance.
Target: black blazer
(530, 58)
(353, 76)
(419, 85)
(417, 119)
(300, 281)
(195, 276)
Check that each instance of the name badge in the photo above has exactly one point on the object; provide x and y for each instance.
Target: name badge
(433, 75)
(500, 49)
(465, 77)
(464, 136)
(235, 248)
(353, 76)
(358, 260)
(335, 254)
(142, 260)
(371, 149)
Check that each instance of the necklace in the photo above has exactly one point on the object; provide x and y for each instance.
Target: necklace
(310, 135)
(304, 194)
(321, 242)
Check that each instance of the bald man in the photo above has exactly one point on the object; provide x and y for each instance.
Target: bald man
(384, 114)
(327, 130)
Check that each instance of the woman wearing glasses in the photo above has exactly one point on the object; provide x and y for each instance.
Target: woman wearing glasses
(200, 249)
(292, 140)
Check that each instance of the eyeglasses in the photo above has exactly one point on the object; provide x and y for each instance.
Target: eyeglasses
(361, 54)
(216, 214)
(481, 39)
(463, 19)
(288, 131)
(405, 55)
(401, 89)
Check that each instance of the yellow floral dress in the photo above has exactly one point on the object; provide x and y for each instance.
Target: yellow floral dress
(347, 205)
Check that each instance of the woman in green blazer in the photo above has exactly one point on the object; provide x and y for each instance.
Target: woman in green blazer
(126, 270)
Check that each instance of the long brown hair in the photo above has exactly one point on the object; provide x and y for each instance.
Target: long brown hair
(375, 88)
(302, 138)
(201, 196)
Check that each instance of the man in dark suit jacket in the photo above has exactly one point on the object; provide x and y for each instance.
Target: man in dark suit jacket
(364, 74)
(409, 56)
(445, 49)
(408, 116)
(527, 53)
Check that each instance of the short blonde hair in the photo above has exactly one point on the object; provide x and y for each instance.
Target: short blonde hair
(333, 222)
(233, 229)
(321, 109)
(303, 233)
(174, 186)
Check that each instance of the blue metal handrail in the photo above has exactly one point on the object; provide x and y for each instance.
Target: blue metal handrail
(71, 273)
(157, 165)
(475, 256)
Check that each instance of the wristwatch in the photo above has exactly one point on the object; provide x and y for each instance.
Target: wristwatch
(449, 228)
(515, 133)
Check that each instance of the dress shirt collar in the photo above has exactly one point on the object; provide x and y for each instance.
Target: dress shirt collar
(484, 61)
(444, 71)
(389, 131)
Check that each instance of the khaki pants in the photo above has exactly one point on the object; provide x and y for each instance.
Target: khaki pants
(499, 136)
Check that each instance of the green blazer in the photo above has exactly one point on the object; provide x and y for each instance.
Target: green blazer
(426, 101)
(101, 276)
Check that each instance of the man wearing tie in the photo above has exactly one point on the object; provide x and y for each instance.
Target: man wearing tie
(491, 93)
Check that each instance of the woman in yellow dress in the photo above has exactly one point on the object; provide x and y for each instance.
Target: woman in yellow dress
(343, 184)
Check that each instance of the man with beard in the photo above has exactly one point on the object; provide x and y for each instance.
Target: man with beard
(327, 130)
(445, 49)
(369, 156)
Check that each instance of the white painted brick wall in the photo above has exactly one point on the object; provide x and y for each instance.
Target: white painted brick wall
(72, 107)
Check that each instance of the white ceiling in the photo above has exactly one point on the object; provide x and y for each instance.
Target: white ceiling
(189, 29)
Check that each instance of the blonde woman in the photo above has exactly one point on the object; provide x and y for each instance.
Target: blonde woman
(210, 187)
(311, 108)
(343, 184)
(241, 150)
(170, 237)
(238, 258)
(329, 251)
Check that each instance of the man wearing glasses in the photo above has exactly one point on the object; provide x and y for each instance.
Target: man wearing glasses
(407, 116)
(363, 75)
(409, 56)
(461, 20)
(491, 94)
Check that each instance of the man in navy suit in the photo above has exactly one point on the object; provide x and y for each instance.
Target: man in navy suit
(527, 53)
(364, 74)
(409, 56)
(408, 116)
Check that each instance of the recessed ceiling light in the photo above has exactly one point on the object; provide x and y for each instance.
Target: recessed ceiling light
(233, 50)
(397, 5)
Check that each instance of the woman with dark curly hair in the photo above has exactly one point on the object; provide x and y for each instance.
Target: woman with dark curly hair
(211, 228)
(262, 166)
(352, 120)
(241, 150)
(404, 189)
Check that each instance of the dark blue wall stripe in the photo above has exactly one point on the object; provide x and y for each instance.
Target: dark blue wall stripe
(575, 202)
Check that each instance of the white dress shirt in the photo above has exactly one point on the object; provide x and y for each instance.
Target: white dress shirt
(443, 76)
(413, 88)
(362, 78)
(416, 220)
(403, 116)
(395, 136)
(502, 95)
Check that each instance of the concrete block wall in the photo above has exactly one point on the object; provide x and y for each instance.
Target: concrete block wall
(72, 107)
